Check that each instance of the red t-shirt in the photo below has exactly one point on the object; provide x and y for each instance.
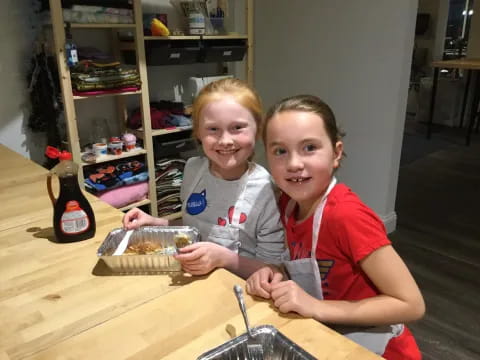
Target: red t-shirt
(349, 232)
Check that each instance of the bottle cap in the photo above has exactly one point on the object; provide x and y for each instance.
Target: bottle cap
(54, 153)
(68, 34)
(65, 155)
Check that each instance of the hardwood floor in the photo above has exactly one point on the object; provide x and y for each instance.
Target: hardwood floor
(438, 236)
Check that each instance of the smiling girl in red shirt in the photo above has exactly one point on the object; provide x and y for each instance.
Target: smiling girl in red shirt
(341, 265)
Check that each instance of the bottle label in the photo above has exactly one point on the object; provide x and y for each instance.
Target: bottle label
(71, 55)
(74, 220)
(74, 56)
(197, 23)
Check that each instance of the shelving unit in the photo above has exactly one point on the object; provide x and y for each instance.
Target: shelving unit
(138, 46)
(248, 37)
(69, 99)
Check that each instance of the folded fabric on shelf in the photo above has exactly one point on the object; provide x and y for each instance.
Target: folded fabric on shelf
(135, 178)
(105, 77)
(163, 114)
(107, 177)
(70, 4)
(124, 4)
(179, 120)
(89, 66)
(125, 195)
(93, 54)
(89, 16)
(169, 204)
(103, 92)
(126, 169)
(169, 176)
(89, 75)
(102, 9)
(169, 210)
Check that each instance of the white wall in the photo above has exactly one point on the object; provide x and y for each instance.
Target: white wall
(16, 38)
(356, 56)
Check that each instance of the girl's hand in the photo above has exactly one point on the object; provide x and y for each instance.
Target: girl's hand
(202, 257)
(135, 218)
(288, 296)
(260, 282)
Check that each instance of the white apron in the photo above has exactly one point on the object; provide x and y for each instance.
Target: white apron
(306, 274)
(228, 235)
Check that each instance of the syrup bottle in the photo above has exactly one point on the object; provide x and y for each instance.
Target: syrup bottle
(70, 48)
(73, 218)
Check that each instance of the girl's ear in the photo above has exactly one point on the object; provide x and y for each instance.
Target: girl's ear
(338, 153)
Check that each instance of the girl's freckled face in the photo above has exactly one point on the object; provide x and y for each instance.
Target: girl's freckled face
(227, 132)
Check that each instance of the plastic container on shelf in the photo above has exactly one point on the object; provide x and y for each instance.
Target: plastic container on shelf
(196, 22)
(100, 149)
(130, 141)
(100, 131)
(115, 147)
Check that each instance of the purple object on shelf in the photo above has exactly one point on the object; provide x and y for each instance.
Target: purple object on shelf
(163, 18)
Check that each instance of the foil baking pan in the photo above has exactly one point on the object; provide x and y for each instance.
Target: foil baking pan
(276, 346)
(164, 239)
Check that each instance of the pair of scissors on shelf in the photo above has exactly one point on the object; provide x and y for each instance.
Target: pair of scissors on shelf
(218, 13)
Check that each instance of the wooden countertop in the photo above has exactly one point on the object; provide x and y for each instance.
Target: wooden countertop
(57, 301)
(472, 64)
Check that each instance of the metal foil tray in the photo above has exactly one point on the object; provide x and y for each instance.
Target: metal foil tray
(160, 237)
(276, 346)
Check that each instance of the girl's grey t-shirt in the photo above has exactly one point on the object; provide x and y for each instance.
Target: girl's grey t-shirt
(260, 230)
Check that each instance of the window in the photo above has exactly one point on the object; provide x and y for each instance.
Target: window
(458, 27)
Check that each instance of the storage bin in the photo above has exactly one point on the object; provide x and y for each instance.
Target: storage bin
(167, 52)
(173, 144)
(223, 50)
(178, 52)
(173, 52)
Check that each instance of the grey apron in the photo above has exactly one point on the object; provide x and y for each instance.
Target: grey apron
(306, 274)
(228, 235)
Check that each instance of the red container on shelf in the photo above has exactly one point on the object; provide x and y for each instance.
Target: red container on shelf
(130, 142)
(115, 147)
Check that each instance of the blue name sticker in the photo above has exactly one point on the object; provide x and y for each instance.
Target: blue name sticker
(196, 203)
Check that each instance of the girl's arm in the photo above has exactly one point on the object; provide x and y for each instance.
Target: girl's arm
(359, 229)
(270, 237)
(241, 265)
(135, 218)
(202, 257)
(400, 300)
